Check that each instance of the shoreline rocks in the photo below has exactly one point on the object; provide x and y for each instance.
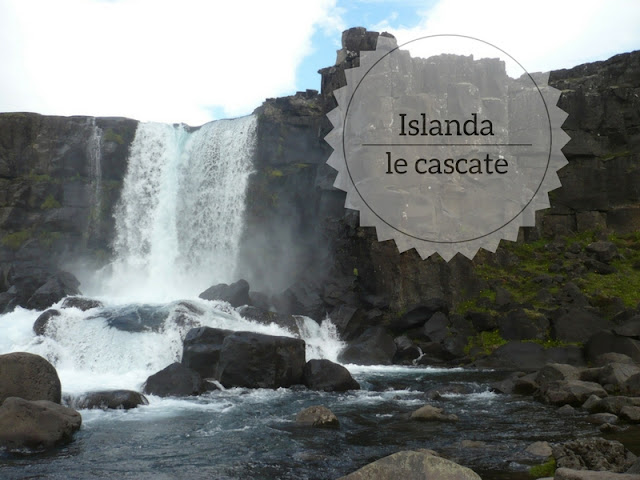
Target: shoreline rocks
(36, 425)
(28, 376)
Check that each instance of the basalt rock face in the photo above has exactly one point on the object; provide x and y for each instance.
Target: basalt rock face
(60, 178)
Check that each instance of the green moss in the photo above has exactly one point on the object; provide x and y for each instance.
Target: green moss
(35, 178)
(274, 172)
(111, 136)
(611, 156)
(473, 305)
(625, 283)
(16, 239)
(49, 203)
(355, 272)
(48, 238)
(487, 342)
(547, 469)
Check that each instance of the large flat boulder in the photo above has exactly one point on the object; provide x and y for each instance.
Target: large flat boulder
(176, 380)
(28, 376)
(328, 376)
(255, 360)
(36, 425)
(201, 349)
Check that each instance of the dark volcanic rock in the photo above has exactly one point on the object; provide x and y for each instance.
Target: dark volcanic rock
(266, 317)
(328, 376)
(134, 318)
(629, 329)
(577, 326)
(436, 328)
(418, 316)
(201, 349)
(237, 294)
(110, 399)
(374, 347)
(254, 360)
(81, 303)
(40, 325)
(522, 325)
(603, 251)
(481, 321)
(36, 424)
(592, 453)
(55, 289)
(350, 321)
(520, 355)
(406, 350)
(176, 380)
(606, 341)
(28, 376)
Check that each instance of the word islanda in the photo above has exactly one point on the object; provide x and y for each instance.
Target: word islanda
(437, 128)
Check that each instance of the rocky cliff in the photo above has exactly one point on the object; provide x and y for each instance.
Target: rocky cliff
(61, 177)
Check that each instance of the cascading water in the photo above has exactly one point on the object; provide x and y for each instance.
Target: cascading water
(179, 221)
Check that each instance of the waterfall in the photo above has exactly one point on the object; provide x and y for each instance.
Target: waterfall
(180, 216)
(94, 154)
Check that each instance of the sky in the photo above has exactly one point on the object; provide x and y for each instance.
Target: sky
(194, 61)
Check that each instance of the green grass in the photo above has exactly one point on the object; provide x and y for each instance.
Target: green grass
(547, 469)
(487, 342)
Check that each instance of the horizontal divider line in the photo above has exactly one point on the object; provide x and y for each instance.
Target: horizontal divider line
(447, 144)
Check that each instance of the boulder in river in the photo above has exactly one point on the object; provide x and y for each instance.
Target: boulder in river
(413, 465)
(110, 399)
(28, 376)
(429, 413)
(374, 347)
(236, 294)
(41, 323)
(36, 425)
(176, 380)
(81, 303)
(201, 349)
(328, 376)
(255, 360)
(317, 416)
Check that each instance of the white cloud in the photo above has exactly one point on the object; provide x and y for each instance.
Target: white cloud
(543, 35)
(153, 60)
